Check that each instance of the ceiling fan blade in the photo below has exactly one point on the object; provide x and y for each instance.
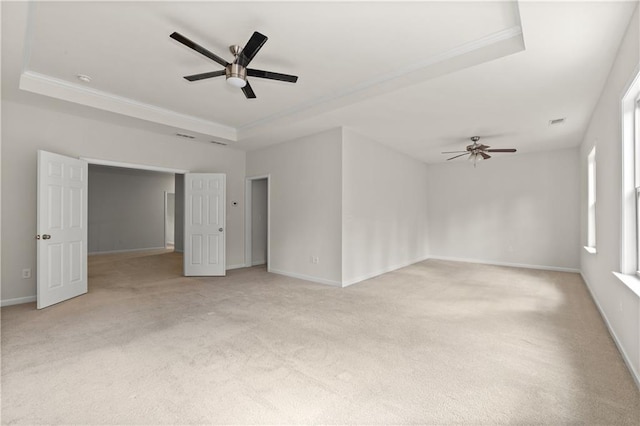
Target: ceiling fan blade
(190, 44)
(483, 147)
(272, 75)
(204, 75)
(252, 47)
(466, 153)
(248, 91)
(485, 155)
(452, 152)
(502, 150)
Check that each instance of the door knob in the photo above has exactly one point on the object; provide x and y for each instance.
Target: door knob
(220, 229)
(46, 237)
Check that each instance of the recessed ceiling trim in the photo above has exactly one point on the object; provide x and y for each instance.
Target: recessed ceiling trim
(487, 48)
(49, 86)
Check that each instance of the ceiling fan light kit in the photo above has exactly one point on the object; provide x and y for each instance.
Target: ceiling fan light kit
(235, 72)
(476, 151)
(236, 75)
(475, 157)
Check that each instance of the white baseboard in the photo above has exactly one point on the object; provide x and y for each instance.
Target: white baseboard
(229, 267)
(625, 357)
(97, 253)
(384, 270)
(513, 265)
(17, 301)
(258, 262)
(306, 277)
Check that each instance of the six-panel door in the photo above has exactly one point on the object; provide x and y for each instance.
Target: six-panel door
(204, 233)
(61, 228)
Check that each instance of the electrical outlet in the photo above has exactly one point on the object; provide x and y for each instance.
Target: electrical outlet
(26, 273)
(316, 259)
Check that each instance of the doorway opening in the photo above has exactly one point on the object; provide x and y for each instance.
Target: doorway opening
(257, 221)
(169, 219)
(132, 219)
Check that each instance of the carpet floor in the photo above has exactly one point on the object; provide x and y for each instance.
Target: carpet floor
(433, 343)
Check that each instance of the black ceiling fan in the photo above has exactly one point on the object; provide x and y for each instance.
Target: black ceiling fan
(236, 71)
(477, 151)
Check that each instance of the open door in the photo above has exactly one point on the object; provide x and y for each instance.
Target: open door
(61, 228)
(204, 224)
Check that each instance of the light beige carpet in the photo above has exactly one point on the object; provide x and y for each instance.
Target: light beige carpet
(434, 343)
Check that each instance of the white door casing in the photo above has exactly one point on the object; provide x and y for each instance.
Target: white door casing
(204, 224)
(61, 228)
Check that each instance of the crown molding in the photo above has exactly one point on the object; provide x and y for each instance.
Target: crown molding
(61, 89)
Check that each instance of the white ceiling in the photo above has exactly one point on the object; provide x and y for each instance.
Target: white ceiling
(421, 77)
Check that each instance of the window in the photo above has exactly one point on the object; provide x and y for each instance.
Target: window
(630, 259)
(591, 200)
(630, 236)
(636, 158)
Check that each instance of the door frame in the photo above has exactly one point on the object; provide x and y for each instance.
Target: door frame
(247, 219)
(133, 166)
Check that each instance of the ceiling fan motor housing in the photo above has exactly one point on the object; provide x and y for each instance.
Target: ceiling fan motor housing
(236, 71)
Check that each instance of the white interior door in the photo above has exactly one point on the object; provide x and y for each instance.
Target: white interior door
(61, 228)
(204, 224)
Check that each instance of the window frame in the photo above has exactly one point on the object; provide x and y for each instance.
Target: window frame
(591, 201)
(636, 179)
(628, 273)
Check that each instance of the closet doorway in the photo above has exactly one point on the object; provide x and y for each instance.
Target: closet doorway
(257, 221)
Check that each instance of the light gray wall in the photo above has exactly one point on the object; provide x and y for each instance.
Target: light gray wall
(384, 203)
(513, 209)
(619, 305)
(27, 128)
(306, 205)
(259, 220)
(126, 208)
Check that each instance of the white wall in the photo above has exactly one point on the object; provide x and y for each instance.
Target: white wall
(126, 208)
(306, 212)
(618, 304)
(27, 128)
(259, 221)
(384, 203)
(513, 209)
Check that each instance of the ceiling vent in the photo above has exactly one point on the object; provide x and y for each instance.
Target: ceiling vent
(182, 135)
(557, 121)
(219, 143)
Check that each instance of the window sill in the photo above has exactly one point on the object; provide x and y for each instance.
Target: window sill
(591, 250)
(631, 281)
